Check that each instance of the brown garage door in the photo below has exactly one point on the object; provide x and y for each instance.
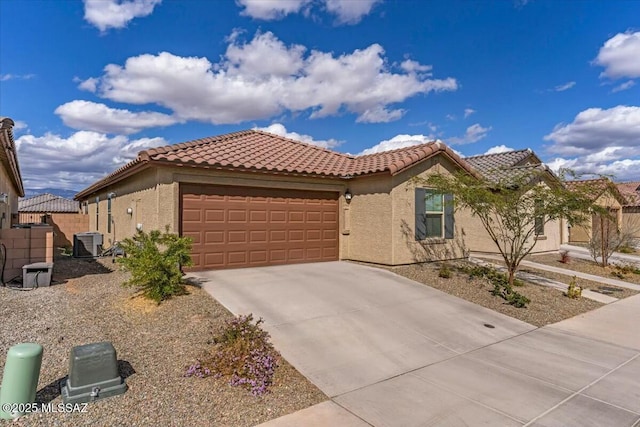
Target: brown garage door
(235, 227)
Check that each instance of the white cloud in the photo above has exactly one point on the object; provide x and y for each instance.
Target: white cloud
(411, 66)
(5, 77)
(566, 86)
(346, 11)
(350, 11)
(620, 56)
(280, 129)
(19, 125)
(271, 9)
(595, 129)
(105, 14)
(620, 170)
(623, 86)
(473, 133)
(263, 78)
(468, 112)
(77, 161)
(86, 115)
(398, 141)
(90, 85)
(498, 149)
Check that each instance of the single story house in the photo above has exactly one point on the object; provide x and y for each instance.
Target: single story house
(251, 198)
(10, 179)
(631, 207)
(605, 194)
(64, 215)
(24, 245)
(502, 166)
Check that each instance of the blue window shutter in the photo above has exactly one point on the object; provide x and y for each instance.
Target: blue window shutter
(421, 226)
(449, 222)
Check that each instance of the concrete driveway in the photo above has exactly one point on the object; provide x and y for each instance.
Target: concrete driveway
(389, 352)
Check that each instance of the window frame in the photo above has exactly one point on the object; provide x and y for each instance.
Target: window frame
(109, 214)
(430, 193)
(97, 212)
(539, 219)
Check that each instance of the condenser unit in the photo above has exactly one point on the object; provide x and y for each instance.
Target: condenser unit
(87, 245)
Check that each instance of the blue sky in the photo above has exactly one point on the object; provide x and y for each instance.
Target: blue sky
(90, 83)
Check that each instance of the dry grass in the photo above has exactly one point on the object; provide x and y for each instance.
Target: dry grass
(547, 305)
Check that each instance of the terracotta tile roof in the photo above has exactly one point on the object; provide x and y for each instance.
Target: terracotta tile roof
(8, 154)
(253, 150)
(631, 192)
(47, 203)
(498, 166)
(595, 188)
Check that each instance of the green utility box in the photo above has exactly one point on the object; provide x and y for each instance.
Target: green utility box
(93, 374)
(20, 379)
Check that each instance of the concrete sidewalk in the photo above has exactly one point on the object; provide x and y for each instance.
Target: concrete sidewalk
(392, 352)
(543, 281)
(617, 257)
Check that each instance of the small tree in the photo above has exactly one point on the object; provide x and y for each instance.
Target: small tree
(607, 236)
(155, 260)
(513, 210)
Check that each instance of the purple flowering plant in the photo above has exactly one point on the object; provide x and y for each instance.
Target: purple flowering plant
(243, 353)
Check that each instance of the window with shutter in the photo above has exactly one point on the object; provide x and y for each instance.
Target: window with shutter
(434, 214)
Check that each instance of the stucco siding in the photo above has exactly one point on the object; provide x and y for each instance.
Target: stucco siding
(9, 210)
(405, 248)
(631, 221)
(368, 218)
(581, 233)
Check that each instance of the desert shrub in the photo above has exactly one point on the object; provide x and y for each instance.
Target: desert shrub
(501, 285)
(573, 291)
(618, 274)
(627, 269)
(155, 260)
(626, 249)
(243, 353)
(564, 257)
(445, 271)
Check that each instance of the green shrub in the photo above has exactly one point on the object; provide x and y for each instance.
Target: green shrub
(625, 269)
(243, 354)
(626, 249)
(573, 291)
(155, 260)
(501, 285)
(445, 272)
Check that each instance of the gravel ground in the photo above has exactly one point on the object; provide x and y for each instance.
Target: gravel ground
(154, 345)
(547, 305)
(583, 266)
(614, 291)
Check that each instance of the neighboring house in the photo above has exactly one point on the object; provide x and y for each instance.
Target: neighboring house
(500, 167)
(631, 207)
(10, 180)
(605, 194)
(19, 246)
(252, 198)
(64, 215)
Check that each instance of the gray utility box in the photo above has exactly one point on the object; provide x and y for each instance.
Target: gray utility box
(36, 275)
(93, 374)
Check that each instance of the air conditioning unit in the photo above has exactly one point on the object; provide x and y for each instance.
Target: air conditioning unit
(87, 245)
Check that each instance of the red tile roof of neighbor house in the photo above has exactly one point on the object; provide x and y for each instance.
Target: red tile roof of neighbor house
(8, 154)
(254, 150)
(47, 203)
(631, 192)
(595, 187)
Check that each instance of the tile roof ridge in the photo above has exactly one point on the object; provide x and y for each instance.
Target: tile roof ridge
(164, 149)
(499, 154)
(306, 144)
(435, 142)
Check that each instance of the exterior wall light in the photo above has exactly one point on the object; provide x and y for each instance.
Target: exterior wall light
(347, 195)
(130, 211)
(4, 198)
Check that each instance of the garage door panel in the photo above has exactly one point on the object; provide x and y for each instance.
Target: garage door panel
(242, 226)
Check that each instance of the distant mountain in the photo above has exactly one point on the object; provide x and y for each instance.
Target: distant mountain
(68, 194)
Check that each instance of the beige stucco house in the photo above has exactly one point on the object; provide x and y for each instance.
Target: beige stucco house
(10, 180)
(501, 166)
(251, 198)
(631, 207)
(605, 194)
